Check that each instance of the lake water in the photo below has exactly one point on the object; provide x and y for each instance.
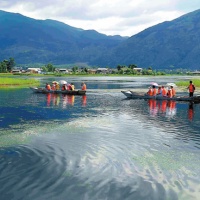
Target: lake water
(101, 146)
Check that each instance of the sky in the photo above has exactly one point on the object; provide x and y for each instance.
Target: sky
(116, 17)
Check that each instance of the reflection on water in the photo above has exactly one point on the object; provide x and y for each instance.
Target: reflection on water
(98, 146)
(168, 108)
(68, 100)
(84, 100)
(56, 99)
(165, 107)
(190, 111)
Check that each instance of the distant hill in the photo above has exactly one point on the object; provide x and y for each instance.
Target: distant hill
(169, 44)
(43, 41)
(175, 43)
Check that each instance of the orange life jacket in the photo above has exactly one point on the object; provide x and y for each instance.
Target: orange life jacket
(63, 87)
(169, 93)
(48, 87)
(53, 87)
(191, 88)
(69, 87)
(164, 92)
(150, 92)
(84, 87)
(173, 92)
(154, 91)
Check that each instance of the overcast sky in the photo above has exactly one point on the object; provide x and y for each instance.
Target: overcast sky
(111, 17)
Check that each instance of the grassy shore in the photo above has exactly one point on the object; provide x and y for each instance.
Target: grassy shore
(196, 82)
(16, 82)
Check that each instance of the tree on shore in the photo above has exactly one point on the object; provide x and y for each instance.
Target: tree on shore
(7, 65)
(75, 69)
(48, 68)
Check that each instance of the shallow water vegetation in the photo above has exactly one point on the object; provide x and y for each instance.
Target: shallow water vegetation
(7, 82)
(196, 82)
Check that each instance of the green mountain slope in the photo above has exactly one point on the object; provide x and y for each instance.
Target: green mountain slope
(174, 43)
(31, 41)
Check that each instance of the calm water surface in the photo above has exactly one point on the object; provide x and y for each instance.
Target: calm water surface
(101, 146)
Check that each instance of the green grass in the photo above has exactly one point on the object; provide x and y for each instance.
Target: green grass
(5, 82)
(196, 82)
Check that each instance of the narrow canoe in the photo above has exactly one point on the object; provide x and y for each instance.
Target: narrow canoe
(135, 95)
(69, 92)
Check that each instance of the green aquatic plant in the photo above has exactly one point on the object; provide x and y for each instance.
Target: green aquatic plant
(17, 82)
(170, 161)
(196, 82)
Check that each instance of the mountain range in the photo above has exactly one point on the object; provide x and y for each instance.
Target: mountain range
(173, 43)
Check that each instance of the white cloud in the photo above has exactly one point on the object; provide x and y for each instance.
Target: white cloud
(123, 17)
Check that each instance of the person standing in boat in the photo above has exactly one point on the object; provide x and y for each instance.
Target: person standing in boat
(83, 86)
(191, 89)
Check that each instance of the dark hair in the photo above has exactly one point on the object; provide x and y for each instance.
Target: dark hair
(153, 86)
(190, 81)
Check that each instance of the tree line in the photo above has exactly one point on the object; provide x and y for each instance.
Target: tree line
(7, 66)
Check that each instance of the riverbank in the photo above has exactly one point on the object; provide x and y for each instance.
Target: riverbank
(182, 82)
(17, 82)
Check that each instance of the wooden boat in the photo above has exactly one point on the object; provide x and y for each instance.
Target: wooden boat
(68, 92)
(135, 95)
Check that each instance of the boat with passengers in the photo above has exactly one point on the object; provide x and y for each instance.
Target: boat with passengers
(136, 95)
(68, 92)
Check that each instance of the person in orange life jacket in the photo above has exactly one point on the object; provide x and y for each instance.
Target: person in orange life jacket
(154, 90)
(191, 88)
(69, 87)
(159, 90)
(48, 87)
(169, 93)
(150, 91)
(64, 87)
(83, 86)
(53, 86)
(164, 91)
(173, 91)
